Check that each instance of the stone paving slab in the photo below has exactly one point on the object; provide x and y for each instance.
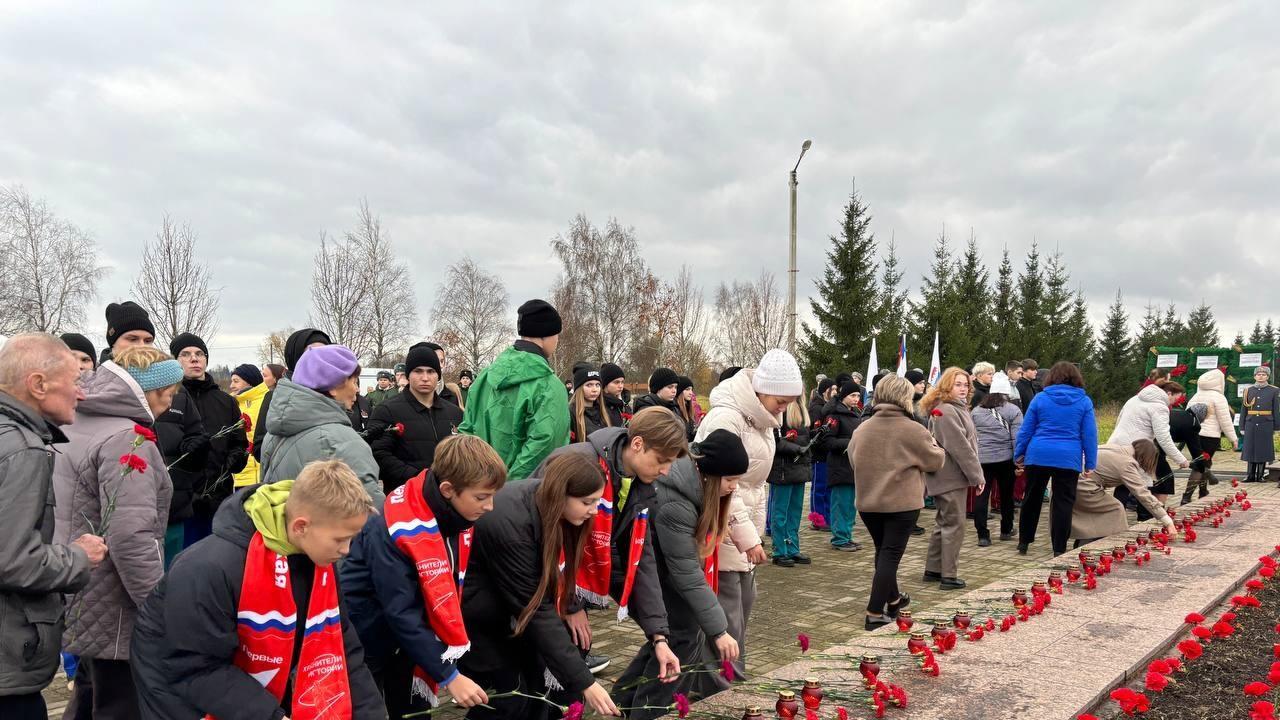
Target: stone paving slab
(1067, 660)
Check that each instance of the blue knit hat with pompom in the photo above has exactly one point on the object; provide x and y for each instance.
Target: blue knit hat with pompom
(157, 375)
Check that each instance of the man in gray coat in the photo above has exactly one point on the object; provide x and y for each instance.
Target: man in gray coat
(38, 392)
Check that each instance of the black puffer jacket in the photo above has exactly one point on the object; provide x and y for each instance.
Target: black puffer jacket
(619, 411)
(792, 462)
(652, 400)
(502, 575)
(227, 455)
(184, 638)
(360, 412)
(840, 421)
(400, 457)
(646, 596)
(591, 418)
(179, 433)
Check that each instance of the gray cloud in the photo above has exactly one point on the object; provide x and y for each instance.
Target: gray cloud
(1140, 140)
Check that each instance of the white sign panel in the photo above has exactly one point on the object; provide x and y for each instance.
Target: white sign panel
(1206, 362)
(1250, 359)
(1240, 390)
(1167, 361)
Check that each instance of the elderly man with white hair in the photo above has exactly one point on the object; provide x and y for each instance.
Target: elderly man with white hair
(38, 392)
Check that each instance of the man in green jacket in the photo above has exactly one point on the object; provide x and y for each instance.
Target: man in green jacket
(386, 389)
(517, 404)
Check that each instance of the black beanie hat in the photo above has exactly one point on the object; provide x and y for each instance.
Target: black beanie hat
(466, 374)
(843, 378)
(729, 372)
(610, 372)
(848, 388)
(825, 385)
(914, 376)
(583, 375)
(125, 317)
(720, 454)
(80, 343)
(186, 340)
(661, 378)
(248, 373)
(421, 355)
(683, 382)
(537, 319)
(298, 342)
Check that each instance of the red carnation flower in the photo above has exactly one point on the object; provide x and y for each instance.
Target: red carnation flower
(726, 669)
(1262, 710)
(1174, 664)
(936, 412)
(681, 704)
(1221, 629)
(1267, 572)
(1159, 666)
(398, 428)
(1156, 682)
(1191, 649)
(1193, 618)
(842, 714)
(804, 642)
(1257, 689)
(1086, 716)
(133, 462)
(574, 712)
(248, 423)
(792, 435)
(145, 432)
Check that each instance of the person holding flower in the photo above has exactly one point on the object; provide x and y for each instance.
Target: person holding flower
(111, 480)
(947, 408)
(249, 388)
(406, 428)
(792, 468)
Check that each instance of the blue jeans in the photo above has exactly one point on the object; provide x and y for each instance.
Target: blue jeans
(819, 498)
(843, 514)
(786, 502)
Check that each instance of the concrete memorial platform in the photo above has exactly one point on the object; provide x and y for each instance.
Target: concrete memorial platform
(1062, 662)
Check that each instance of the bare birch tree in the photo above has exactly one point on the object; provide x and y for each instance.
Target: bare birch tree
(685, 336)
(471, 312)
(389, 311)
(271, 349)
(173, 285)
(49, 267)
(338, 294)
(607, 278)
(752, 319)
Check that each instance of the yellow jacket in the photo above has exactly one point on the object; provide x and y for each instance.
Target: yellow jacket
(250, 402)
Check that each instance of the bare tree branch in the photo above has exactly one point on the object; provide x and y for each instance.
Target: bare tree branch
(271, 349)
(338, 294)
(752, 319)
(686, 332)
(472, 321)
(49, 267)
(389, 312)
(173, 285)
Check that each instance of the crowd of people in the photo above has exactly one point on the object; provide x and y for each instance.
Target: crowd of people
(290, 547)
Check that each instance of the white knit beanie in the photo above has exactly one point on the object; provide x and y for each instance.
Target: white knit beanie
(778, 374)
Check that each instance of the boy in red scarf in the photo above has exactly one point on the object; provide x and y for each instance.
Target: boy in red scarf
(619, 563)
(403, 580)
(246, 625)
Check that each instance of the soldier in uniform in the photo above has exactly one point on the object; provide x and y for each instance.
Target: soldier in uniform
(1258, 416)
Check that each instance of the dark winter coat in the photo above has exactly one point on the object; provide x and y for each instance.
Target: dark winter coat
(401, 457)
(382, 594)
(1027, 390)
(359, 413)
(180, 431)
(980, 392)
(227, 455)
(592, 419)
(619, 411)
(792, 462)
(817, 413)
(841, 421)
(444, 392)
(684, 586)
(34, 573)
(502, 575)
(185, 636)
(652, 400)
(646, 595)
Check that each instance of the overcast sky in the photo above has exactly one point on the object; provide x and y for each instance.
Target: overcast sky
(1141, 139)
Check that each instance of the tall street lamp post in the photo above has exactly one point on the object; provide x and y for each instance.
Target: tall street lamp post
(791, 269)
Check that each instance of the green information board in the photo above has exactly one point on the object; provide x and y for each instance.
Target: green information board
(1186, 365)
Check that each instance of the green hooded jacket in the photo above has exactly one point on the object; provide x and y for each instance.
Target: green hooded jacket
(518, 406)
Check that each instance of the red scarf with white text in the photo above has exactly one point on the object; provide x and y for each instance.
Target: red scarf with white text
(266, 622)
(415, 532)
(596, 567)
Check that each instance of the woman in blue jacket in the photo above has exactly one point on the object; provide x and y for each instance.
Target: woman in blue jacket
(1058, 439)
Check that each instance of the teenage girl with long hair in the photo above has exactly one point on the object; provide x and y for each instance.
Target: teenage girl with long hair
(587, 411)
(521, 572)
(691, 518)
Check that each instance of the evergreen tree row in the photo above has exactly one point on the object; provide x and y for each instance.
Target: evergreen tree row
(1035, 312)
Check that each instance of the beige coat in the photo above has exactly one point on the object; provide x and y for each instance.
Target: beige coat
(1097, 513)
(955, 432)
(735, 407)
(890, 453)
(1209, 393)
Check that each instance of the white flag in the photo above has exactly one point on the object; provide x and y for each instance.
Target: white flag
(873, 368)
(902, 355)
(935, 365)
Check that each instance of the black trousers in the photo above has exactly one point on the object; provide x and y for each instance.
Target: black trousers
(890, 533)
(395, 682)
(23, 707)
(104, 691)
(1063, 502)
(997, 474)
(523, 673)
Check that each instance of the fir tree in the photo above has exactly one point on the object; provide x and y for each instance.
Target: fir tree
(1150, 335)
(1115, 372)
(1256, 336)
(1202, 328)
(1030, 311)
(1004, 320)
(936, 310)
(1175, 330)
(1057, 342)
(973, 304)
(1239, 339)
(1078, 347)
(848, 299)
(1269, 333)
(891, 319)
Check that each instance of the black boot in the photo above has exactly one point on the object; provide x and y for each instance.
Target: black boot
(1193, 481)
